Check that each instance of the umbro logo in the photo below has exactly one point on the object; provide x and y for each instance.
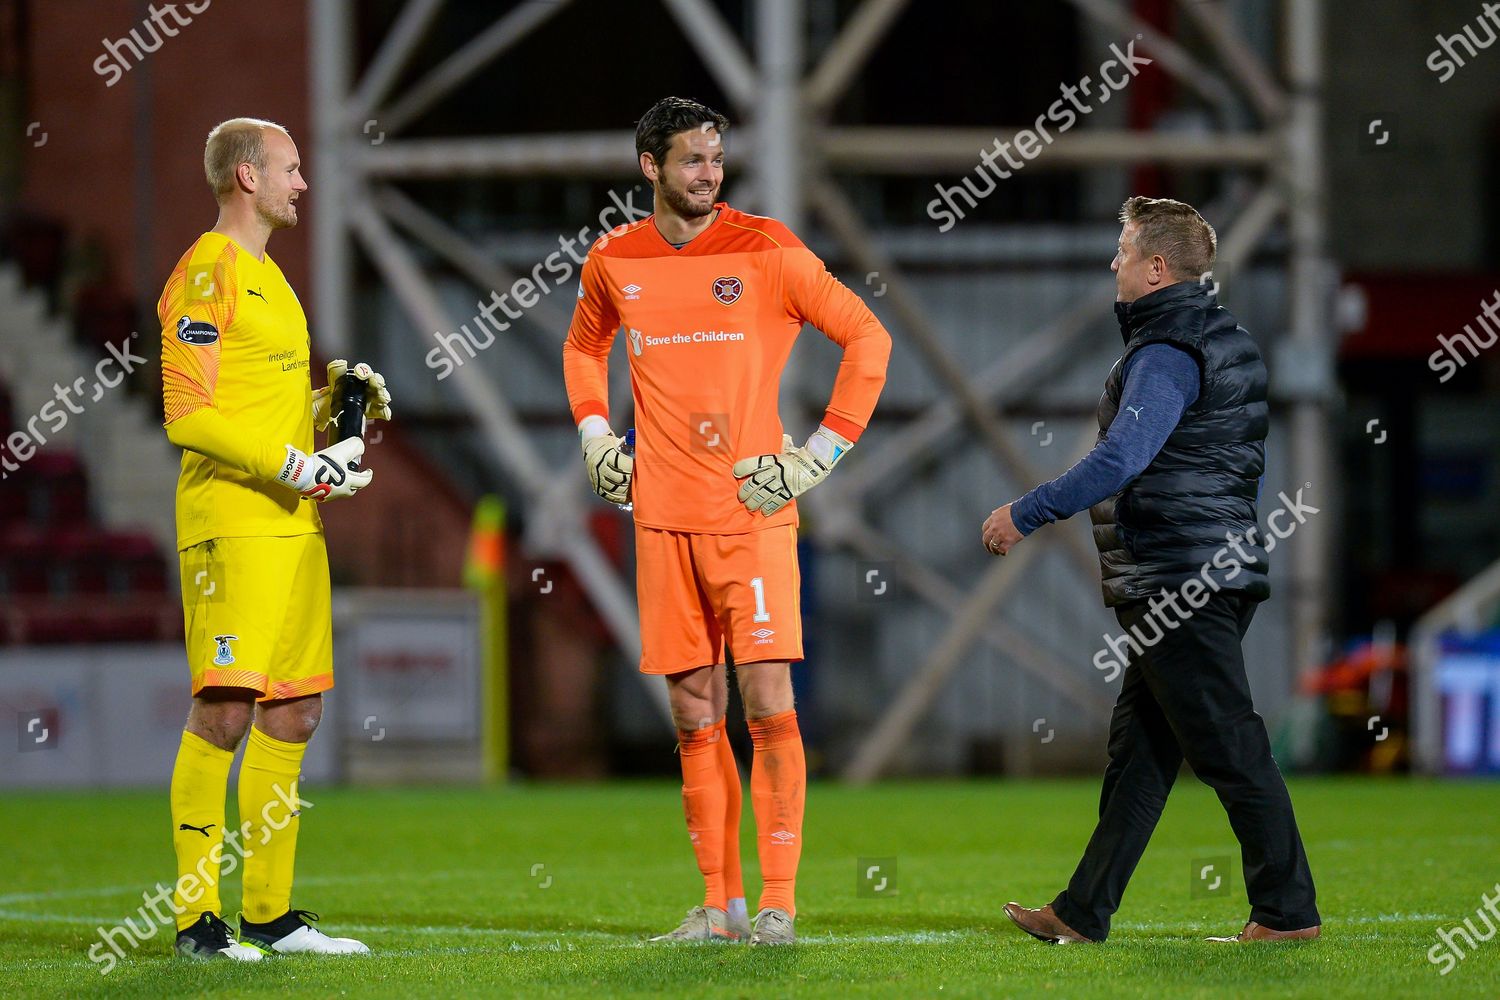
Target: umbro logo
(763, 635)
(783, 836)
(632, 291)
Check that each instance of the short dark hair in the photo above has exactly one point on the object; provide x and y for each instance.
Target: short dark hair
(1175, 230)
(669, 116)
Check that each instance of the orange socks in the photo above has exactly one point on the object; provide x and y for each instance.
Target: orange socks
(705, 803)
(712, 799)
(778, 791)
(734, 879)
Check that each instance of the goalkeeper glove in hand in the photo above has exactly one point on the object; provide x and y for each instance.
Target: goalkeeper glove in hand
(772, 481)
(325, 475)
(377, 396)
(610, 469)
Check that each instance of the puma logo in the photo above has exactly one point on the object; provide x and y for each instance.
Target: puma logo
(201, 829)
(251, 291)
(1135, 411)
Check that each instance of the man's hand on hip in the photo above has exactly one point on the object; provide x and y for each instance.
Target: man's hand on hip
(773, 481)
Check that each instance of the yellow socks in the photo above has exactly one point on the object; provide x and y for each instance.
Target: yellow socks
(269, 808)
(199, 781)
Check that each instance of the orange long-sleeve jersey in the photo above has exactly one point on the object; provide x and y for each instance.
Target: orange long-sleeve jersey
(710, 327)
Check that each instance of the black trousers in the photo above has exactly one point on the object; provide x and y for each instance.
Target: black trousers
(1186, 696)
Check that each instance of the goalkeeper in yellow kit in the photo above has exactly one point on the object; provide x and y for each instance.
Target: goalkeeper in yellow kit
(239, 402)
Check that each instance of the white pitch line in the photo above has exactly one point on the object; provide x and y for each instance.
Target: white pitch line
(522, 932)
(540, 941)
(56, 918)
(313, 880)
(603, 937)
(917, 937)
(1379, 918)
(39, 897)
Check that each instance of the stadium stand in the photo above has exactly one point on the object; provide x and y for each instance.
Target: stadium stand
(67, 576)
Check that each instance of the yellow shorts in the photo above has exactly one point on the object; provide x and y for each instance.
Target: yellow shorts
(699, 592)
(258, 615)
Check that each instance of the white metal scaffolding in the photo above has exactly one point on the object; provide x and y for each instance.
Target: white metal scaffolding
(796, 154)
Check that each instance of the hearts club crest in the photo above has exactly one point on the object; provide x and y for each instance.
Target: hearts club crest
(728, 290)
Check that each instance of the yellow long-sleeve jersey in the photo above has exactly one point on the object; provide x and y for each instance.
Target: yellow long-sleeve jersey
(235, 382)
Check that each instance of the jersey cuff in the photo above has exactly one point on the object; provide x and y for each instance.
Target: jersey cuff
(592, 408)
(842, 425)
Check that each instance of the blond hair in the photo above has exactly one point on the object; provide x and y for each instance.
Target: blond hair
(232, 142)
(1174, 230)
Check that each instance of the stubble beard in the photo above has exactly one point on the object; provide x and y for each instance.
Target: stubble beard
(275, 216)
(680, 201)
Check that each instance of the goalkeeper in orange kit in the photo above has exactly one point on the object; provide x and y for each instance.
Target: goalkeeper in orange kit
(713, 299)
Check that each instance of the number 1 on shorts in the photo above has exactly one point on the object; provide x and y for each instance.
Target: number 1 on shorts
(758, 584)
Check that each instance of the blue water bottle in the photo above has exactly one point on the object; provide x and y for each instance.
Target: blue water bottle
(628, 448)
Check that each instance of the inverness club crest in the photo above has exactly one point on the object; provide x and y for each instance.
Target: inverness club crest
(728, 290)
(224, 656)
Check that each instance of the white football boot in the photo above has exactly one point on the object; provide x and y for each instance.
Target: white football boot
(703, 924)
(773, 926)
(291, 934)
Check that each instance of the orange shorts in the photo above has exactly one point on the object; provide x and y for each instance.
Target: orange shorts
(697, 592)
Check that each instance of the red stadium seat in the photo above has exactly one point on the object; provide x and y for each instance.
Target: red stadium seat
(136, 565)
(103, 316)
(148, 575)
(75, 621)
(6, 415)
(48, 625)
(58, 487)
(82, 561)
(126, 623)
(14, 500)
(26, 561)
(91, 561)
(63, 578)
(40, 248)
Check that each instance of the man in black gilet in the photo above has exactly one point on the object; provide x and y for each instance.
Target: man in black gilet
(1172, 488)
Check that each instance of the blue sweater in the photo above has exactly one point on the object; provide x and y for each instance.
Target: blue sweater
(1161, 382)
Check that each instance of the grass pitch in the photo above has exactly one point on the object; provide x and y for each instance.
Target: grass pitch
(549, 891)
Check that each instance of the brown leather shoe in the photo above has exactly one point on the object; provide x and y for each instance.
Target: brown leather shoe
(1259, 932)
(1044, 925)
